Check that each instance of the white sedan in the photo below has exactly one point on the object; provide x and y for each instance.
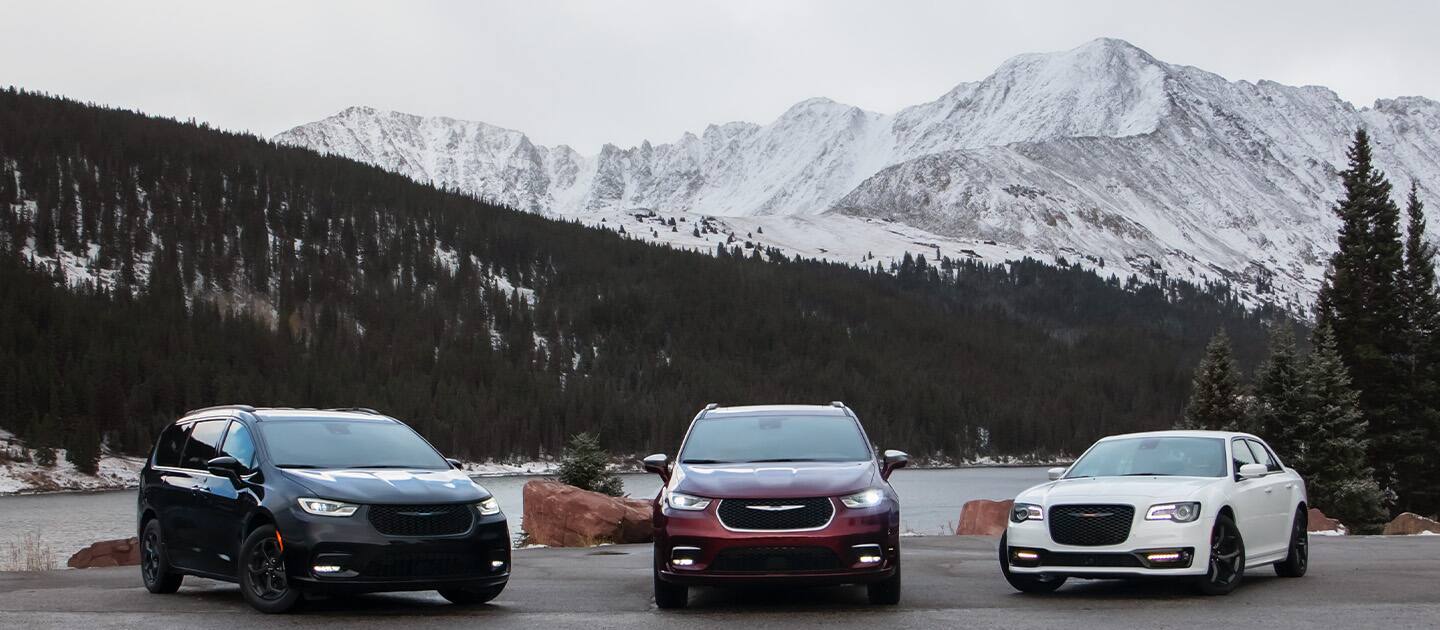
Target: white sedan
(1207, 505)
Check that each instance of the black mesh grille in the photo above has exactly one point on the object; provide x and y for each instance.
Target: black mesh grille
(1090, 525)
(425, 565)
(775, 514)
(1108, 560)
(421, 520)
(775, 560)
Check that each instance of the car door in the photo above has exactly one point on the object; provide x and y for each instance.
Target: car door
(1279, 488)
(228, 498)
(170, 494)
(1250, 502)
(194, 526)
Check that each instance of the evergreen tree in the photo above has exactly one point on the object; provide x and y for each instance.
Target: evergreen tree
(1280, 393)
(1215, 396)
(1332, 444)
(1362, 302)
(1417, 471)
(82, 446)
(586, 465)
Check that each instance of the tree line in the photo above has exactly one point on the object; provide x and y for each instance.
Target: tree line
(149, 266)
(1360, 415)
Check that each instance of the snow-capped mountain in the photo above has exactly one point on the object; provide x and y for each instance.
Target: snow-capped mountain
(1101, 153)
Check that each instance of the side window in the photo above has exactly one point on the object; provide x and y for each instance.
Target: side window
(204, 444)
(239, 445)
(172, 441)
(1242, 454)
(1262, 456)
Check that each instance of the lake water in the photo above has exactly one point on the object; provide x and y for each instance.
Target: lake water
(931, 502)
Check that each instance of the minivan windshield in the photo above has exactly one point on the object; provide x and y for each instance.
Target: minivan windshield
(337, 443)
(775, 438)
(1146, 456)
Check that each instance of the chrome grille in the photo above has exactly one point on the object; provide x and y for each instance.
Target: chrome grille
(775, 514)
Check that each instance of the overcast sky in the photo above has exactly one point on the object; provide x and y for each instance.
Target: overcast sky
(589, 72)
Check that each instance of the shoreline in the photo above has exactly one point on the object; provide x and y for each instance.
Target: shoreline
(529, 469)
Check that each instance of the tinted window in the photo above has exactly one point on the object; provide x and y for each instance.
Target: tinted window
(204, 444)
(347, 444)
(775, 438)
(172, 442)
(1262, 456)
(1168, 456)
(240, 445)
(1242, 455)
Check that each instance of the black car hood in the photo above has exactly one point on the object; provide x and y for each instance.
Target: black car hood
(389, 486)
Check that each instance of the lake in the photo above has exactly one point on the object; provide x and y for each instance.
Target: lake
(931, 502)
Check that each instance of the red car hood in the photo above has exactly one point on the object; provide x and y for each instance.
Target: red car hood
(777, 480)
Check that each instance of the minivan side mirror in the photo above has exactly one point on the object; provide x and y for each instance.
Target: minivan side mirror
(659, 464)
(455, 463)
(894, 460)
(1251, 471)
(226, 466)
(1055, 473)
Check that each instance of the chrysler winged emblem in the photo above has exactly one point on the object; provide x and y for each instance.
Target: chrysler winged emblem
(774, 508)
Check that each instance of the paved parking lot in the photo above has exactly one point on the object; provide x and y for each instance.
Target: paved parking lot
(1357, 582)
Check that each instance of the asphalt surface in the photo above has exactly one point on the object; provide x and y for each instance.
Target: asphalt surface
(1357, 582)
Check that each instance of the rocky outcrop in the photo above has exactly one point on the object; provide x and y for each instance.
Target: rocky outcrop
(983, 517)
(560, 515)
(1318, 522)
(107, 553)
(1409, 523)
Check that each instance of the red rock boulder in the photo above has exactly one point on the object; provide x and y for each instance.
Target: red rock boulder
(560, 515)
(1409, 524)
(1318, 522)
(983, 517)
(107, 553)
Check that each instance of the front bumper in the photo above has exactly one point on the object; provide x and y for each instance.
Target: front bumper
(1153, 549)
(856, 547)
(368, 561)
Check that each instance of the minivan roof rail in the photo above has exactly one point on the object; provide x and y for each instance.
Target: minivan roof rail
(712, 406)
(357, 410)
(245, 408)
(837, 403)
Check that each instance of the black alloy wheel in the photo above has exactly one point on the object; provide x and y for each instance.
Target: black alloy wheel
(1227, 558)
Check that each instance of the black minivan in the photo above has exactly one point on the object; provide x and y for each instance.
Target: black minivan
(294, 501)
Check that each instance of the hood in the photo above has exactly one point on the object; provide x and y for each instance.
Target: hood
(389, 485)
(778, 480)
(1118, 489)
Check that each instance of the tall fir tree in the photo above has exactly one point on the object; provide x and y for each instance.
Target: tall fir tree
(1331, 441)
(1362, 302)
(1422, 305)
(1280, 393)
(1215, 397)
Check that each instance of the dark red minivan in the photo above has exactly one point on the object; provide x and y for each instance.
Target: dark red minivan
(780, 494)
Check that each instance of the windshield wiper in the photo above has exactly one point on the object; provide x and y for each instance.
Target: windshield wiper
(706, 461)
(297, 466)
(1147, 475)
(786, 459)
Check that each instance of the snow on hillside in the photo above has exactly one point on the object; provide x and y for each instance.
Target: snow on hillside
(1101, 150)
(26, 477)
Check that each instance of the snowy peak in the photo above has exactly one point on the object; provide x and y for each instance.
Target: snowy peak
(1101, 151)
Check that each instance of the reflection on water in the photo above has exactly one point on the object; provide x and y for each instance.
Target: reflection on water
(931, 501)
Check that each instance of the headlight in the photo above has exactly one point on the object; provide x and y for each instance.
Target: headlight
(1026, 512)
(326, 507)
(488, 506)
(1178, 512)
(868, 498)
(686, 502)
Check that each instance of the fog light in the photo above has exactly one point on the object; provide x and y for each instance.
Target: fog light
(869, 559)
(497, 564)
(683, 556)
(868, 554)
(1163, 557)
(1027, 555)
(327, 568)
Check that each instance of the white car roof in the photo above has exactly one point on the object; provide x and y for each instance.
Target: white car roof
(764, 409)
(1207, 434)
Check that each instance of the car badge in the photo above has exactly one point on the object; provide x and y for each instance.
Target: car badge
(774, 508)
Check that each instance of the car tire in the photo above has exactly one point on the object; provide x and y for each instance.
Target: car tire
(263, 579)
(471, 596)
(1298, 560)
(886, 592)
(1032, 584)
(155, 570)
(669, 595)
(1227, 558)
